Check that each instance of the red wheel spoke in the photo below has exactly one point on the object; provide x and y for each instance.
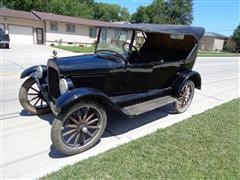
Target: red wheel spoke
(92, 121)
(93, 127)
(71, 137)
(74, 120)
(70, 126)
(85, 115)
(89, 117)
(69, 132)
(79, 115)
(76, 139)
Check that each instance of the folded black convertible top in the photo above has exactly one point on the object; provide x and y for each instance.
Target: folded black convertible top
(197, 32)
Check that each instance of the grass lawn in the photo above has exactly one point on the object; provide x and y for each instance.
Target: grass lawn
(205, 146)
(217, 54)
(77, 49)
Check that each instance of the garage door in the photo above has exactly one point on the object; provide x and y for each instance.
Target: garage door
(2, 26)
(20, 34)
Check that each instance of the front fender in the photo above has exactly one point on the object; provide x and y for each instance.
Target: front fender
(73, 96)
(30, 70)
(182, 78)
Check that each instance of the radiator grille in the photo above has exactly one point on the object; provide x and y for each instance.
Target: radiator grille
(53, 83)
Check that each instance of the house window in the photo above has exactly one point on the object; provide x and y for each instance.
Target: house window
(53, 26)
(92, 32)
(70, 28)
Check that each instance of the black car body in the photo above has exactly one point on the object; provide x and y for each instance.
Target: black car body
(4, 39)
(122, 74)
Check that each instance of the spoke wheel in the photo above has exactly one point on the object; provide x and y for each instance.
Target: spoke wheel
(32, 99)
(79, 129)
(185, 97)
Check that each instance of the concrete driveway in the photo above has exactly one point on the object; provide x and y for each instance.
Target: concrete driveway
(26, 148)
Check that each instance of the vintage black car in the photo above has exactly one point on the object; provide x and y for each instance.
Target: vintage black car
(135, 68)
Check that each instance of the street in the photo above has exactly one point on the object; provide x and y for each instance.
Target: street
(27, 151)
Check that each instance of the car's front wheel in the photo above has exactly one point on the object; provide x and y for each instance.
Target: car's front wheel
(79, 128)
(32, 99)
(185, 97)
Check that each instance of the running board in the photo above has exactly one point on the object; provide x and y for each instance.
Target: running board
(146, 106)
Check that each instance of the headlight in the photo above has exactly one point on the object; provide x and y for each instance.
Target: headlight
(39, 72)
(63, 86)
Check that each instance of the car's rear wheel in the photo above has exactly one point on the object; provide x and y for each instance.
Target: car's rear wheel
(80, 128)
(32, 99)
(185, 97)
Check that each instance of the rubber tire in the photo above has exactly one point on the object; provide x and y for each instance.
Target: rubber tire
(57, 127)
(7, 46)
(24, 101)
(178, 109)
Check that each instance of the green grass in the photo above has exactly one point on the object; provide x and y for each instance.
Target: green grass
(205, 146)
(77, 49)
(217, 54)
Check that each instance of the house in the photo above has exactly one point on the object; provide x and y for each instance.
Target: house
(45, 28)
(213, 41)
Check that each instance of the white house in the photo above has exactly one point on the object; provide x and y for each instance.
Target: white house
(46, 28)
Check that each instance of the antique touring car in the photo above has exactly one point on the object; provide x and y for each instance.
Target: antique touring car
(135, 68)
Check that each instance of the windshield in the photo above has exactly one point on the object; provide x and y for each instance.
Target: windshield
(114, 41)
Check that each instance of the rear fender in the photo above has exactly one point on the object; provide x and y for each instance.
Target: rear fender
(182, 78)
(27, 72)
(74, 96)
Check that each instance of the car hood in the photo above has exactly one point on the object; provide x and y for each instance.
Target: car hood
(90, 64)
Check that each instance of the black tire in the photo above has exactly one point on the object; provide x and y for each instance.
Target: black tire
(185, 97)
(31, 99)
(7, 46)
(81, 115)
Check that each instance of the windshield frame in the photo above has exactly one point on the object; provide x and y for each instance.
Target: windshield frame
(130, 44)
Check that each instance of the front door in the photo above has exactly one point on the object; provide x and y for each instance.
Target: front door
(39, 32)
(139, 77)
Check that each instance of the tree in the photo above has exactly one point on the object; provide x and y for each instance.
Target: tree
(80, 8)
(236, 35)
(165, 12)
(111, 12)
(141, 15)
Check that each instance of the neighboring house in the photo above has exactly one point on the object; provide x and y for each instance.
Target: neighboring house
(46, 28)
(213, 41)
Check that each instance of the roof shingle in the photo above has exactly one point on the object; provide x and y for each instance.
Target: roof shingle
(17, 14)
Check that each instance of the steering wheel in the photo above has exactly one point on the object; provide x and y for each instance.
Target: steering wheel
(124, 49)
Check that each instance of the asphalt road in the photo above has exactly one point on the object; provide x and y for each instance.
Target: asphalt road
(26, 148)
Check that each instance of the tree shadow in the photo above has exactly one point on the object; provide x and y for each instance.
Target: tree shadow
(119, 124)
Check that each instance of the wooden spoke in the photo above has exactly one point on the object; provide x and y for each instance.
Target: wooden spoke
(93, 127)
(70, 126)
(89, 133)
(76, 139)
(92, 121)
(85, 115)
(33, 94)
(33, 98)
(79, 115)
(36, 102)
(74, 120)
(89, 117)
(71, 137)
(69, 132)
(34, 89)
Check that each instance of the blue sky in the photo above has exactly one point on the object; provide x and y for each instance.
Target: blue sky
(220, 16)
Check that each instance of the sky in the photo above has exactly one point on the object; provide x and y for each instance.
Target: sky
(219, 16)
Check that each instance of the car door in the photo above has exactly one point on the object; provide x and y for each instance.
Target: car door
(164, 73)
(139, 76)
